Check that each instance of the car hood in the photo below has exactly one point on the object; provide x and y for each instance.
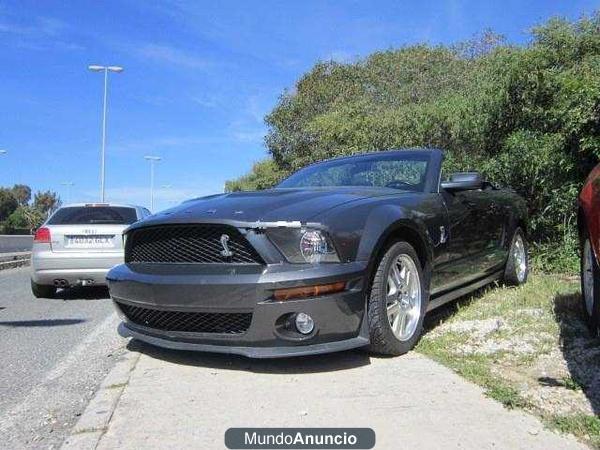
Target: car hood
(270, 205)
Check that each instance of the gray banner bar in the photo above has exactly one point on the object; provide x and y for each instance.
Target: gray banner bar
(301, 438)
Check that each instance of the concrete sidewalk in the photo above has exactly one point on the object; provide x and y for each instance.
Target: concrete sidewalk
(166, 399)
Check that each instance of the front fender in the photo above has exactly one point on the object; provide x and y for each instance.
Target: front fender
(360, 230)
(388, 220)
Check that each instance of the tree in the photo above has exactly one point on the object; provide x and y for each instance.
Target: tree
(8, 203)
(526, 116)
(25, 217)
(264, 174)
(46, 201)
(22, 193)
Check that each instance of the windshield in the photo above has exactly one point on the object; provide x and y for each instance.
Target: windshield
(90, 215)
(397, 171)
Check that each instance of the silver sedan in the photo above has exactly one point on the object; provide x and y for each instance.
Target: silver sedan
(78, 244)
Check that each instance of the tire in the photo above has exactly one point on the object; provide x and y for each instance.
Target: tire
(516, 270)
(408, 302)
(590, 285)
(42, 290)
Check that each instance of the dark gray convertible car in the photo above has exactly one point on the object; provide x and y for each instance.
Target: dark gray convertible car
(345, 253)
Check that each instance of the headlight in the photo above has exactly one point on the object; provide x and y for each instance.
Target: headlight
(301, 245)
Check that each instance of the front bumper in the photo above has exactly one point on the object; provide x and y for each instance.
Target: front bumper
(339, 323)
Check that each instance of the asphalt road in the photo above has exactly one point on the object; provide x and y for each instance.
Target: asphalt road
(54, 353)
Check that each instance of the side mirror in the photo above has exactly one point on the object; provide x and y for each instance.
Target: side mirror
(463, 181)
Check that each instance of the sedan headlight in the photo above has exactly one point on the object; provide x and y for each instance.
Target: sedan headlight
(302, 245)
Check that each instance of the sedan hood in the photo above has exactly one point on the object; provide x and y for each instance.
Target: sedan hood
(270, 205)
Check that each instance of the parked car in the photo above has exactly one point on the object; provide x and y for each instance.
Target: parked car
(344, 253)
(589, 233)
(78, 244)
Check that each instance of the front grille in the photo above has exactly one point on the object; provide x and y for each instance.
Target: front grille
(195, 322)
(190, 243)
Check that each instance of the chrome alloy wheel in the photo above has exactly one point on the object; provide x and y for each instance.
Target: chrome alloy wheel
(588, 277)
(519, 258)
(403, 299)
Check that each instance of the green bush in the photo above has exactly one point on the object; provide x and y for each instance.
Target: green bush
(18, 215)
(264, 175)
(526, 116)
(24, 218)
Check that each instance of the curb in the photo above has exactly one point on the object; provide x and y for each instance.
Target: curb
(12, 260)
(93, 423)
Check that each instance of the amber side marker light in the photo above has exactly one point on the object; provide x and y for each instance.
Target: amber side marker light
(309, 291)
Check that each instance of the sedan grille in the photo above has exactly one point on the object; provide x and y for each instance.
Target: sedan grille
(190, 243)
(194, 322)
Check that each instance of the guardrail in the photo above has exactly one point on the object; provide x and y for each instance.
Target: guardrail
(10, 243)
(18, 259)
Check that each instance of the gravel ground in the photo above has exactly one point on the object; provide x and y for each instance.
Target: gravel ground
(54, 355)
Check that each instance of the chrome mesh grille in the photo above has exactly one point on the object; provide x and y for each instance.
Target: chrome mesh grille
(189, 243)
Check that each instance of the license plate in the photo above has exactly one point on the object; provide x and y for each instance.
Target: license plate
(89, 241)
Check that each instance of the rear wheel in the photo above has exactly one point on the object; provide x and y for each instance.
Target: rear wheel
(42, 290)
(397, 301)
(590, 286)
(517, 265)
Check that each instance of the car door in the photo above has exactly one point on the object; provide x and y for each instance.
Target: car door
(500, 205)
(464, 241)
(475, 232)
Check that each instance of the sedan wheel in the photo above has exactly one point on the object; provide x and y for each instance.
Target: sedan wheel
(397, 301)
(42, 291)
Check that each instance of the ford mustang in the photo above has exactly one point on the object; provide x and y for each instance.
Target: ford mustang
(345, 253)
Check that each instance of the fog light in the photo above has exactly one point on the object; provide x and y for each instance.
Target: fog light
(304, 323)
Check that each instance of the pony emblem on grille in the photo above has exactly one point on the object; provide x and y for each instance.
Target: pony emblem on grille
(226, 253)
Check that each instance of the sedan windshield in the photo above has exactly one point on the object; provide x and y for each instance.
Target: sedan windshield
(392, 170)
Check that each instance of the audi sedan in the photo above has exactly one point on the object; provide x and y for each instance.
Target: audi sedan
(78, 245)
(345, 253)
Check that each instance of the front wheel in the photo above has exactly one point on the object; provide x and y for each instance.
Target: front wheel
(397, 301)
(590, 286)
(517, 265)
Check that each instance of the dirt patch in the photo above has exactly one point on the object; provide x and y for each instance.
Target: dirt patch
(476, 329)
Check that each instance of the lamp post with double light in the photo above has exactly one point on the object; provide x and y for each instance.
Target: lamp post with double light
(105, 69)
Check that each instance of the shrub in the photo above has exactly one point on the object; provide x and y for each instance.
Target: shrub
(527, 117)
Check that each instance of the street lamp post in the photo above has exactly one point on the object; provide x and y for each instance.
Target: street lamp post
(2, 152)
(68, 184)
(152, 160)
(105, 69)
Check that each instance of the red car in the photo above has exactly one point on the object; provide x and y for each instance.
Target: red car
(589, 232)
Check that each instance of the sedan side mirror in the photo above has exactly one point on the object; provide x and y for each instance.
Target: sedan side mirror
(463, 181)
